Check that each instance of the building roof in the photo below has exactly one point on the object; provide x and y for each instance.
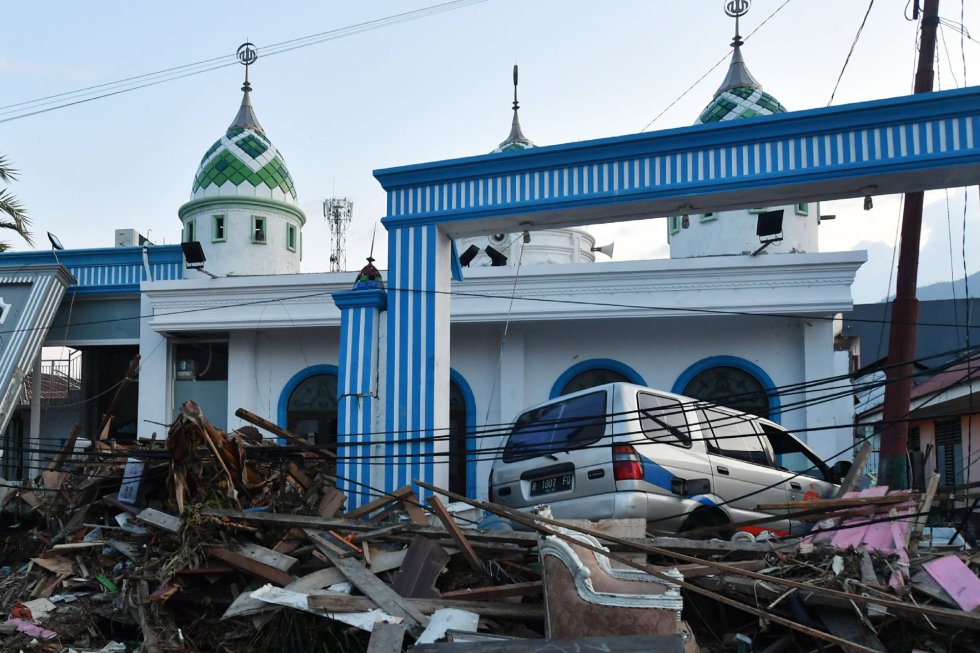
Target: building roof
(244, 162)
(739, 96)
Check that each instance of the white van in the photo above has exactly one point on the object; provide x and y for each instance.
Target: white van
(621, 450)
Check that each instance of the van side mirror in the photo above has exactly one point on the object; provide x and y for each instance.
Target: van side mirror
(840, 470)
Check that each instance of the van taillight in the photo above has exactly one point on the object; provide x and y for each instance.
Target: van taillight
(626, 463)
(490, 487)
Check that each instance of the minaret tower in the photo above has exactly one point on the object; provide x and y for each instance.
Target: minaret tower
(734, 232)
(243, 207)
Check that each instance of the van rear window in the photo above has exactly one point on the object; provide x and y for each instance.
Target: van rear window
(564, 425)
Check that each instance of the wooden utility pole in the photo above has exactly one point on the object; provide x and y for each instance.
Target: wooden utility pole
(905, 307)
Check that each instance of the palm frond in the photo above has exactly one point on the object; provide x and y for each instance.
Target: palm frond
(6, 172)
(18, 220)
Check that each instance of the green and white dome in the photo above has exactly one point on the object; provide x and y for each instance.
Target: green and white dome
(244, 162)
(739, 96)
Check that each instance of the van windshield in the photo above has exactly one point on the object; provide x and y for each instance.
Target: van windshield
(561, 426)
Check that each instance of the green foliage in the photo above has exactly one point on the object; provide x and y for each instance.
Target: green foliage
(12, 213)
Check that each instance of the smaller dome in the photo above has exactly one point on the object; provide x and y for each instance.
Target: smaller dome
(739, 96)
(244, 162)
(369, 278)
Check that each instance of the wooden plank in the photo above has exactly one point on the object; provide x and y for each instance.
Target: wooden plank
(379, 593)
(293, 470)
(496, 592)
(424, 562)
(331, 503)
(258, 553)
(857, 468)
(457, 534)
(916, 531)
(251, 567)
(338, 602)
(380, 502)
(411, 504)
(621, 644)
(290, 437)
(837, 504)
(386, 638)
(159, 519)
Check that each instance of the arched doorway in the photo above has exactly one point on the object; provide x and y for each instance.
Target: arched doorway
(308, 405)
(462, 439)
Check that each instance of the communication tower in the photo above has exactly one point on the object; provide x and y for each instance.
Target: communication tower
(338, 212)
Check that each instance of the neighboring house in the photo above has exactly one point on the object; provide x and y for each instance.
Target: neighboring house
(942, 419)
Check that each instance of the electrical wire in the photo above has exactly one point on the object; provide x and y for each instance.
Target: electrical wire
(80, 96)
(847, 60)
(711, 69)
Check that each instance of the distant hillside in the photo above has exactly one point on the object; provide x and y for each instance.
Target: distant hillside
(944, 289)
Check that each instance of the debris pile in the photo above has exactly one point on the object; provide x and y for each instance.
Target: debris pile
(214, 541)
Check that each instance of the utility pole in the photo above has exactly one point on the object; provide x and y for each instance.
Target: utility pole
(905, 307)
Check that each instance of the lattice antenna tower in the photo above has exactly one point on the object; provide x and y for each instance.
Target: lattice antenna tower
(338, 211)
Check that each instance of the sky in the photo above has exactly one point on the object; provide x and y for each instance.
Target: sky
(435, 87)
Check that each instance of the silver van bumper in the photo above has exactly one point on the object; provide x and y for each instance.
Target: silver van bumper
(666, 512)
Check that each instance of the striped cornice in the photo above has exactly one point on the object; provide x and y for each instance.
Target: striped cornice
(104, 270)
(872, 148)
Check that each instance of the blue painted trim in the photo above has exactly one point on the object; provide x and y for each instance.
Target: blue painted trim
(374, 298)
(107, 271)
(919, 108)
(595, 364)
(472, 445)
(293, 382)
(455, 267)
(740, 363)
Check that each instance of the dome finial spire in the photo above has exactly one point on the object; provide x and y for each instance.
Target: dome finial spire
(246, 118)
(516, 140)
(737, 9)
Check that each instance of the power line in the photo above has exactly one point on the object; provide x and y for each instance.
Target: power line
(847, 60)
(53, 102)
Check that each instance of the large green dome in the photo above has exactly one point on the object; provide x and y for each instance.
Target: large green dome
(244, 162)
(739, 96)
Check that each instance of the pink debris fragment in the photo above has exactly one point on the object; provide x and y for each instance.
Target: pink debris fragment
(33, 630)
(957, 579)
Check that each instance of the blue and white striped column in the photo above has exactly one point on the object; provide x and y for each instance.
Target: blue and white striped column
(417, 383)
(357, 391)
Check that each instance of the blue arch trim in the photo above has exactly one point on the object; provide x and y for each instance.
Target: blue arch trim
(472, 446)
(595, 364)
(740, 363)
(292, 383)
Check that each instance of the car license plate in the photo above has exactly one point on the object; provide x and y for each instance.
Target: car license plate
(551, 484)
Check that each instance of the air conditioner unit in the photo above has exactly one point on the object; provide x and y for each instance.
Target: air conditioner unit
(127, 238)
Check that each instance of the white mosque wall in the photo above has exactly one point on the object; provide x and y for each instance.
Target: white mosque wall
(657, 317)
(548, 246)
(238, 250)
(734, 232)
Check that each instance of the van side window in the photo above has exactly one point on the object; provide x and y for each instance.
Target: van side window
(793, 455)
(734, 437)
(662, 419)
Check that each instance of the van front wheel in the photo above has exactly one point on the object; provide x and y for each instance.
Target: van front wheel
(707, 523)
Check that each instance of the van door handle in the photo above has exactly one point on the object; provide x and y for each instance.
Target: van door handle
(596, 473)
(794, 485)
(722, 470)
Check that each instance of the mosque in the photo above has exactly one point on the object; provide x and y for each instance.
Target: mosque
(743, 310)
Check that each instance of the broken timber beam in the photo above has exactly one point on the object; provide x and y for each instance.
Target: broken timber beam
(339, 602)
(288, 436)
(457, 534)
